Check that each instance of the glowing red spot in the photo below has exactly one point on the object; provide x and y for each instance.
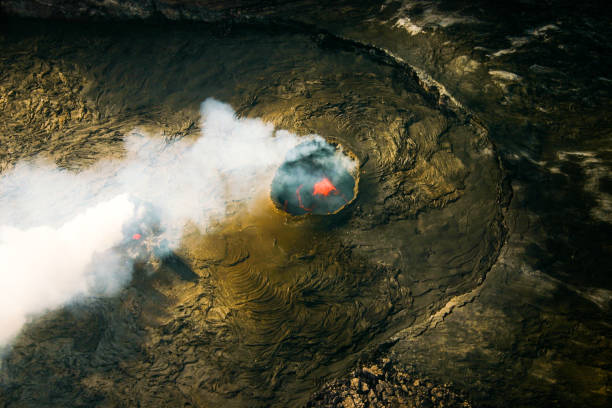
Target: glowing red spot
(324, 187)
(136, 236)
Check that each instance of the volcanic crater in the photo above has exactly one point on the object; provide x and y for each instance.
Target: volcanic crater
(315, 178)
(255, 310)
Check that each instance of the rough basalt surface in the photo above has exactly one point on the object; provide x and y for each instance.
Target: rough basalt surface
(407, 264)
(385, 383)
(174, 10)
(251, 312)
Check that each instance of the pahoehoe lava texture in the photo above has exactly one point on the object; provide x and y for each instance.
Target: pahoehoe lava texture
(257, 311)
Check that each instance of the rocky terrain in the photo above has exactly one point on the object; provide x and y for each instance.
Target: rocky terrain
(477, 252)
(385, 384)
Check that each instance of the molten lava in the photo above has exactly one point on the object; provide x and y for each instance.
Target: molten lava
(299, 197)
(136, 237)
(324, 187)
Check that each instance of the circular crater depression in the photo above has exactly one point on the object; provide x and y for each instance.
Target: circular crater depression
(315, 178)
(261, 323)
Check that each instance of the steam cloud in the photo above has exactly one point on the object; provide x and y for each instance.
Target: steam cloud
(307, 165)
(63, 235)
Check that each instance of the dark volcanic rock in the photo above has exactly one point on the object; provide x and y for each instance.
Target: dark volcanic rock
(130, 9)
(252, 312)
(385, 383)
(533, 332)
(196, 10)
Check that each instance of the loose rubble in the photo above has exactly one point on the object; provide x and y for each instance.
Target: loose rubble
(385, 383)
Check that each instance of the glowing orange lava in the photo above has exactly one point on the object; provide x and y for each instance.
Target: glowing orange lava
(136, 236)
(324, 187)
(299, 197)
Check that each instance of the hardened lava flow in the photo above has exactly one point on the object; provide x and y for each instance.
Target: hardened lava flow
(404, 205)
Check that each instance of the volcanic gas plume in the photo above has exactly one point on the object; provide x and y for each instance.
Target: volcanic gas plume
(66, 236)
(315, 178)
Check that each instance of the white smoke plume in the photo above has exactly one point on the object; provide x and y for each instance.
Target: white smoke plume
(63, 234)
